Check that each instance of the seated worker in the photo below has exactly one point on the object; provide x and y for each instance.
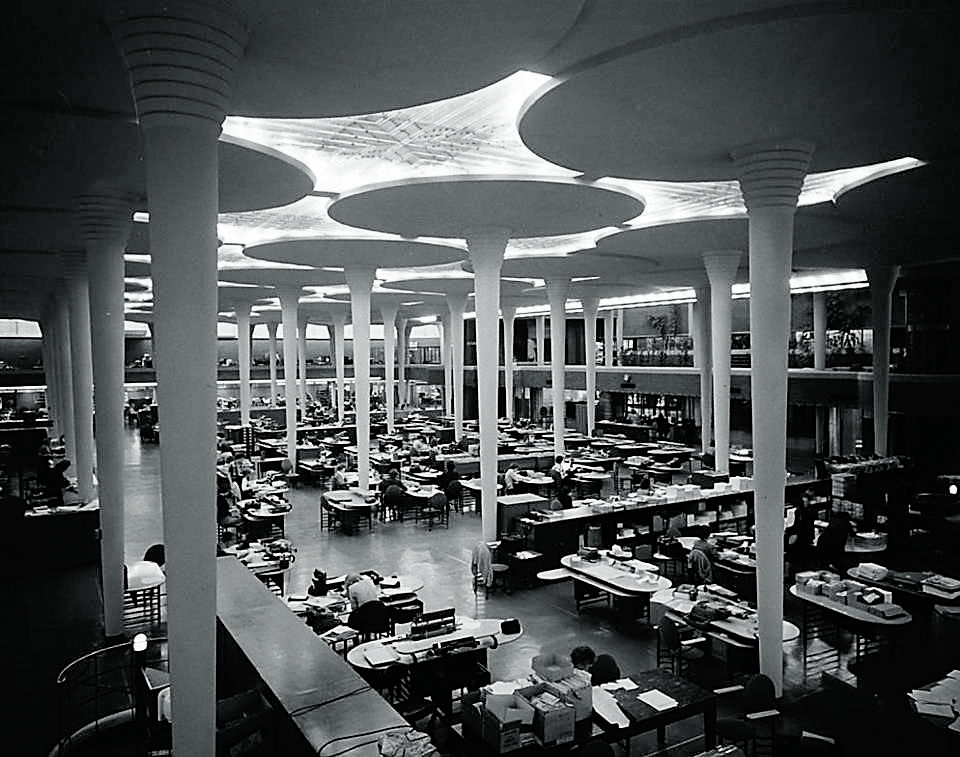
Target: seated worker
(510, 478)
(391, 479)
(368, 613)
(601, 668)
(832, 544)
(701, 557)
(55, 483)
(448, 476)
(340, 477)
(419, 446)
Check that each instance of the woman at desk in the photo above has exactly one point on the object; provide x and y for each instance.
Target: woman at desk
(510, 478)
(368, 614)
(448, 476)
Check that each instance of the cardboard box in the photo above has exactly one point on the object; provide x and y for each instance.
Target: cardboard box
(553, 723)
(835, 590)
(501, 736)
(575, 690)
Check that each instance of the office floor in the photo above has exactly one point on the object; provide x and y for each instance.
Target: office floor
(52, 618)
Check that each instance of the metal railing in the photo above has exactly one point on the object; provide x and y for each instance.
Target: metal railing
(100, 690)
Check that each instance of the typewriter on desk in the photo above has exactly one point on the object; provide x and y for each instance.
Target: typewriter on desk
(434, 623)
(589, 554)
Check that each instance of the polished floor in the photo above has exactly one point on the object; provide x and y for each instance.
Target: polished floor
(51, 618)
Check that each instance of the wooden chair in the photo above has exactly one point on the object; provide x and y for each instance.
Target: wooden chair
(672, 648)
(436, 508)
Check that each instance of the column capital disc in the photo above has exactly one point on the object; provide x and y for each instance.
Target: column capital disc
(105, 216)
(182, 58)
(485, 239)
(771, 174)
(722, 266)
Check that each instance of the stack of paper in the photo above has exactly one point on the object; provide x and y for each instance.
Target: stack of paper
(657, 699)
(940, 699)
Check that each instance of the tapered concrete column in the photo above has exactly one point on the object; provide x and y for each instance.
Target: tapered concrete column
(541, 335)
(389, 313)
(446, 358)
(882, 280)
(721, 269)
(272, 345)
(289, 299)
(403, 351)
(45, 355)
(590, 307)
(457, 303)
(181, 59)
(65, 371)
(703, 361)
(302, 363)
(509, 313)
(820, 331)
(608, 338)
(242, 311)
(557, 288)
(618, 330)
(105, 221)
(407, 386)
(486, 247)
(770, 179)
(339, 326)
(834, 431)
(360, 282)
(75, 268)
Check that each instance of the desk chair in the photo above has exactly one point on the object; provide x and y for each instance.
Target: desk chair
(487, 572)
(454, 494)
(437, 507)
(757, 726)
(393, 502)
(371, 619)
(672, 648)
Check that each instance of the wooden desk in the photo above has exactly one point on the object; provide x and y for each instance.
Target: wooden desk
(298, 670)
(911, 590)
(511, 507)
(691, 701)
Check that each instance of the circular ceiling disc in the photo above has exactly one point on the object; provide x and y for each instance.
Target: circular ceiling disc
(378, 253)
(449, 207)
(858, 85)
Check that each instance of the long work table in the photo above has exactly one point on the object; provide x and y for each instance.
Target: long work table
(299, 671)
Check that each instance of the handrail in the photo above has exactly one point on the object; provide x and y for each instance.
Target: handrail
(99, 690)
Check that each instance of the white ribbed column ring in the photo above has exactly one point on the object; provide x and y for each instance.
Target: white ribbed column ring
(182, 58)
(772, 175)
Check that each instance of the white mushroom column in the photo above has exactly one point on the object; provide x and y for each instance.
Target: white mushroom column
(721, 268)
(339, 326)
(403, 341)
(302, 363)
(289, 297)
(75, 268)
(608, 339)
(820, 364)
(591, 304)
(557, 288)
(770, 180)
(457, 303)
(105, 220)
(181, 60)
(618, 328)
(242, 311)
(882, 280)
(360, 282)
(486, 247)
(703, 362)
(508, 311)
(272, 343)
(65, 371)
(389, 312)
(541, 337)
(446, 360)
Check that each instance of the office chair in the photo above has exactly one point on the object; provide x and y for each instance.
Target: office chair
(371, 619)
(437, 507)
(672, 648)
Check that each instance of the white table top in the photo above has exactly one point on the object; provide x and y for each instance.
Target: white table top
(646, 581)
(144, 575)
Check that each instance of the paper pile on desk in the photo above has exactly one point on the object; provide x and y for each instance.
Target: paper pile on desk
(607, 708)
(657, 699)
(939, 699)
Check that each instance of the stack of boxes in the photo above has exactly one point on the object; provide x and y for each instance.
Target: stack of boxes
(843, 485)
(849, 592)
(545, 713)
